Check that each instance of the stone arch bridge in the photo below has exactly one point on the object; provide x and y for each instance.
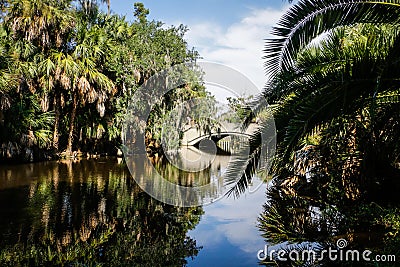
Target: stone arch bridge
(192, 135)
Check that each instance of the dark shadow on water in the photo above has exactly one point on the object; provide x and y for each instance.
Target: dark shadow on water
(86, 213)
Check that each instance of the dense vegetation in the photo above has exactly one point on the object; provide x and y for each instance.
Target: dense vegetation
(335, 100)
(68, 71)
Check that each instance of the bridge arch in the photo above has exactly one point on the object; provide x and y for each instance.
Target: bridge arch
(213, 136)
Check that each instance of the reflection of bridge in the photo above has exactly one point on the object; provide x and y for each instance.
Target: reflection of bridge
(192, 135)
(193, 159)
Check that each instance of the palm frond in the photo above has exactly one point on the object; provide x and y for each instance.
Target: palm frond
(241, 173)
(308, 19)
(261, 148)
(324, 85)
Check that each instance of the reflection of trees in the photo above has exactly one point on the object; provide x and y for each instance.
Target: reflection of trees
(294, 218)
(300, 211)
(179, 177)
(90, 213)
(177, 187)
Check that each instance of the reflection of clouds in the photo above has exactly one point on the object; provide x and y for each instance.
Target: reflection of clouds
(233, 220)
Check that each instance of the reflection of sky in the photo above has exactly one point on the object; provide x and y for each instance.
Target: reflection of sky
(228, 233)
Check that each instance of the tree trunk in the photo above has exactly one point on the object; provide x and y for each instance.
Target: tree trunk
(109, 7)
(72, 124)
(57, 106)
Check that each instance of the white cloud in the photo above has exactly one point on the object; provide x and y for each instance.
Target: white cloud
(240, 45)
(233, 220)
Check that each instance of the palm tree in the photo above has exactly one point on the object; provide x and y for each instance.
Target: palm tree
(308, 19)
(8, 81)
(88, 83)
(108, 6)
(335, 102)
(345, 78)
(54, 67)
(313, 84)
(40, 22)
(38, 28)
(88, 6)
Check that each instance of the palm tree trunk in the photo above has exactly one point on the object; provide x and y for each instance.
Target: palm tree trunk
(57, 105)
(72, 124)
(109, 7)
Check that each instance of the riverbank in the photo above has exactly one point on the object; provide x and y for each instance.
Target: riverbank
(14, 153)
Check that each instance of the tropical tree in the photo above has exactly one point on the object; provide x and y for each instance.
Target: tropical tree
(23, 118)
(142, 49)
(140, 12)
(91, 7)
(108, 6)
(350, 79)
(83, 66)
(56, 62)
(334, 92)
(138, 51)
(38, 28)
(7, 81)
(344, 77)
(89, 84)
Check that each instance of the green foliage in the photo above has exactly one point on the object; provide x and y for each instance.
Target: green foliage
(26, 123)
(140, 12)
(334, 92)
(239, 108)
(83, 66)
(308, 19)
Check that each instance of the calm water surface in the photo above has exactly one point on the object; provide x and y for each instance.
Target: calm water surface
(92, 213)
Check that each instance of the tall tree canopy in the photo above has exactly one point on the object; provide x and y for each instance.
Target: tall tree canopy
(74, 68)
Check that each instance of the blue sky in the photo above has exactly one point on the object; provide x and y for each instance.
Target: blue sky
(231, 32)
